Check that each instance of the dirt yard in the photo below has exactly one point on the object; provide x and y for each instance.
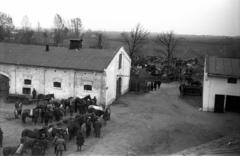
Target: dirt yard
(155, 123)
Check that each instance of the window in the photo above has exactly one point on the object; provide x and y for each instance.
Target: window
(57, 84)
(27, 82)
(232, 80)
(120, 62)
(26, 91)
(88, 85)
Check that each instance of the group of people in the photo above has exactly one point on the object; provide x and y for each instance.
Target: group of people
(153, 85)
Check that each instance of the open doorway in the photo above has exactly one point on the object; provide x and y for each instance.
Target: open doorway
(232, 104)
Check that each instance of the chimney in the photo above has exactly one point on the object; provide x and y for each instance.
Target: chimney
(47, 47)
(75, 44)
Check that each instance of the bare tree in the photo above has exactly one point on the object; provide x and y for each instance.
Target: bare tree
(27, 33)
(99, 40)
(166, 44)
(6, 26)
(135, 40)
(58, 28)
(77, 26)
(74, 27)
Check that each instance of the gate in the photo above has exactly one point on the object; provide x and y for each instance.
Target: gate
(4, 85)
(138, 86)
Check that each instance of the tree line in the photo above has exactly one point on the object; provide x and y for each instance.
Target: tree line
(135, 40)
(62, 29)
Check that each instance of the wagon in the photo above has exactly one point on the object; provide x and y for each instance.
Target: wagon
(25, 99)
(190, 90)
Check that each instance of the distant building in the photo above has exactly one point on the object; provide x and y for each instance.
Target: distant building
(221, 84)
(103, 73)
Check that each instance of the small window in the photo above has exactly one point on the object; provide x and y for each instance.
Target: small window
(57, 84)
(88, 87)
(120, 62)
(232, 80)
(26, 91)
(27, 82)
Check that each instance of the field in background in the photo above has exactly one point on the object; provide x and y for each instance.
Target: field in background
(191, 45)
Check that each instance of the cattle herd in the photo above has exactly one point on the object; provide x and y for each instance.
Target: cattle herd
(89, 116)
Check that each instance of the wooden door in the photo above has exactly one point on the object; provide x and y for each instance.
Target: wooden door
(119, 88)
(219, 103)
(4, 85)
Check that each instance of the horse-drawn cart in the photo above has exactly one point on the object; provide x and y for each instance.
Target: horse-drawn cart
(25, 99)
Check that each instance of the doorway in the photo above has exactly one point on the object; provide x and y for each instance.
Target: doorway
(119, 88)
(219, 103)
(4, 85)
(232, 104)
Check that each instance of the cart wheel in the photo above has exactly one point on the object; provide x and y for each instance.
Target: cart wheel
(25, 101)
(6, 99)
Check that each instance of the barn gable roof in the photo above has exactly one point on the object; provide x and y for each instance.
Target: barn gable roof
(82, 59)
(223, 66)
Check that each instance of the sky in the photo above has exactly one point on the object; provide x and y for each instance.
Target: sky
(193, 17)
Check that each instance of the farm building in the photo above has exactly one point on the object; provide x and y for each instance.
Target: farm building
(103, 73)
(221, 84)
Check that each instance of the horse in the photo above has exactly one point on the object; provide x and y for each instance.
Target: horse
(45, 97)
(100, 111)
(13, 150)
(34, 113)
(36, 134)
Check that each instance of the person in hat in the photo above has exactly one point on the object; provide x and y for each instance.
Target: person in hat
(61, 144)
(34, 93)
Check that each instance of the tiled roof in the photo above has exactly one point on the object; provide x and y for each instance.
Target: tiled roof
(223, 66)
(83, 59)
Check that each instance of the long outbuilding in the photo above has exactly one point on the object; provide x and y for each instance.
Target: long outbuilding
(73, 72)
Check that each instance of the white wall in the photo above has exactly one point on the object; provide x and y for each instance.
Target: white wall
(113, 73)
(217, 85)
(72, 82)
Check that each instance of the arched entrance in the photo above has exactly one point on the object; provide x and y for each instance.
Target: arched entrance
(4, 85)
(119, 87)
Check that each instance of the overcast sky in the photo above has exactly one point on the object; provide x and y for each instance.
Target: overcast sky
(199, 17)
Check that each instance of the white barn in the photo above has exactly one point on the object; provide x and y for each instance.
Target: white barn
(72, 72)
(221, 84)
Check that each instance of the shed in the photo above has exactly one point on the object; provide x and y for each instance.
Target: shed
(221, 84)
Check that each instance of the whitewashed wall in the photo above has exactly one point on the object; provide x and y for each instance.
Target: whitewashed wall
(113, 73)
(217, 85)
(42, 80)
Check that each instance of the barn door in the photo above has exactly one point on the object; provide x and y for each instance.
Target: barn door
(119, 87)
(4, 85)
(219, 103)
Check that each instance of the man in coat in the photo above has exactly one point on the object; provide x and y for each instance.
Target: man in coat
(97, 128)
(61, 144)
(36, 150)
(34, 93)
(1, 136)
(80, 141)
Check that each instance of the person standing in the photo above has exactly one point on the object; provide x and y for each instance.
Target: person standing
(34, 93)
(97, 128)
(151, 85)
(55, 142)
(80, 141)
(155, 85)
(1, 136)
(36, 150)
(61, 144)
(159, 84)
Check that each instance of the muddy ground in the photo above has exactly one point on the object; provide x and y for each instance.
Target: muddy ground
(155, 123)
